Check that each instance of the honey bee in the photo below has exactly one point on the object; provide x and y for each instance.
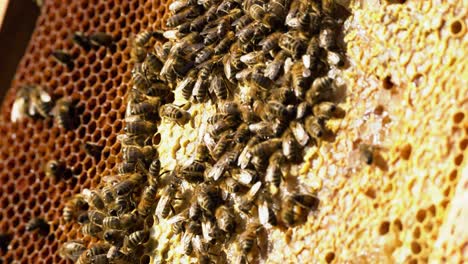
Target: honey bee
(324, 110)
(116, 256)
(252, 31)
(73, 207)
(273, 174)
(142, 38)
(307, 201)
(221, 126)
(177, 222)
(223, 144)
(114, 237)
(273, 69)
(292, 44)
(208, 198)
(266, 214)
(192, 172)
(248, 238)
(94, 199)
(291, 148)
(200, 89)
(140, 81)
(194, 228)
(174, 113)
(367, 153)
(224, 162)
(121, 205)
(99, 259)
(245, 176)
(101, 39)
(335, 58)
(39, 224)
(96, 217)
(231, 185)
(276, 109)
(63, 57)
(91, 229)
(242, 22)
(135, 125)
(178, 5)
(303, 110)
(245, 202)
(320, 90)
(164, 207)
(138, 54)
(225, 219)
(64, 113)
(96, 249)
(210, 231)
(31, 100)
(265, 148)
(186, 85)
(181, 16)
(262, 129)
(327, 38)
(131, 221)
(55, 170)
(147, 200)
(151, 66)
(219, 86)
(134, 153)
(293, 207)
(258, 79)
(135, 239)
(81, 40)
(300, 77)
(111, 222)
(154, 169)
(253, 57)
(314, 127)
(246, 153)
(242, 133)
(194, 211)
(93, 149)
(225, 43)
(72, 250)
(107, 194)
(82, 218)
(126, 186)
(204, 55)
(187, 244)
(213, 34)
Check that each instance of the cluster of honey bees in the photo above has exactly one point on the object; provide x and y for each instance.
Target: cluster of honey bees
(264, 65)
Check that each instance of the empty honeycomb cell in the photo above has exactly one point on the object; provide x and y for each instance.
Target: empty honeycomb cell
(384, 228)
(458, 117)
(457, 27)
(415, 247)
(458, 160)
(329, 257)
(463, 144)
(417, 232)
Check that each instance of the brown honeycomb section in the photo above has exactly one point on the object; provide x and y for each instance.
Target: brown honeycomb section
(98, 82)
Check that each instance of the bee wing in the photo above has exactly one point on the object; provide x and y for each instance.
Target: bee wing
(216, 171)
(299, 133)
(263, 213)
(162, 203)
(253, 190)
(44, 96)
(17, 110)
(206, 226)
(244, 158)
(177, 218)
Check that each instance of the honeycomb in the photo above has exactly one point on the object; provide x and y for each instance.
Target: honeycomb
(407, 93)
